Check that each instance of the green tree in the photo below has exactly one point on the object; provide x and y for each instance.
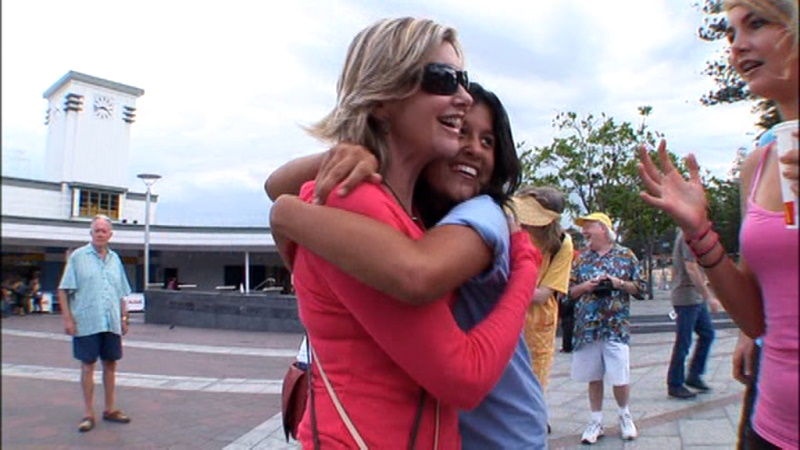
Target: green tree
(730, 86)
(594, 162)
(590, 159)
(724, 204)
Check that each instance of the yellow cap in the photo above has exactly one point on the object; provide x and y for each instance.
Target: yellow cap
(596, 217)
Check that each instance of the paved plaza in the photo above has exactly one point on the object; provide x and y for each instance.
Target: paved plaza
(190, 388)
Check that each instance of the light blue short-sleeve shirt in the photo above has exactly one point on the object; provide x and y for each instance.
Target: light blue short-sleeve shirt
(514, 414)
(95, 287)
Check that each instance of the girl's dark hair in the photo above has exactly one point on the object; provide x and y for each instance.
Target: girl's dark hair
(506, 176)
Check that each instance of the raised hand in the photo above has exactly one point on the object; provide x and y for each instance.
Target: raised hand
(684, 200)
(348, 164)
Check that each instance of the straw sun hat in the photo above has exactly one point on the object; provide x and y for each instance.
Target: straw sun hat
(531, 213)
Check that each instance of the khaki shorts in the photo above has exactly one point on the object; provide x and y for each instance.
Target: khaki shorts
(600, 359)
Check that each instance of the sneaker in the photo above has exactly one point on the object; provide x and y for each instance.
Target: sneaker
(680, 392)
(698, 384)
(627, 427)
(593, 431)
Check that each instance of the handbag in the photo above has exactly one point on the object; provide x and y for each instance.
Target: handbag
(295, 394)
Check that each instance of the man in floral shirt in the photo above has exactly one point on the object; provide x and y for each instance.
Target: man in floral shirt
(603, 278)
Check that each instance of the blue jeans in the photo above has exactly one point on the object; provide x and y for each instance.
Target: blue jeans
(690, 318)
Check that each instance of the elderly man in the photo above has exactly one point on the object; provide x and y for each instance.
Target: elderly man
(91, 298)
(603, 278)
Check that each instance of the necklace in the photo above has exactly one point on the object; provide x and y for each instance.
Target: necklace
(396, 197)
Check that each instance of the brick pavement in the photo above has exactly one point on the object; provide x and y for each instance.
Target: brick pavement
(44, 414)
(40, 413)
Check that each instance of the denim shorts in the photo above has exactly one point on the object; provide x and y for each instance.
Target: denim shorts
(107, 346)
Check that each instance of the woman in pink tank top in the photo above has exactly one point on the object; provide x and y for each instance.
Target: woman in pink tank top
(760, 293)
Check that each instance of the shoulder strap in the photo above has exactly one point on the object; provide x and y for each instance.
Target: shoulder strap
(346, 419)
(339, 408)
(311, 399)
(757, 175)
(417, 420)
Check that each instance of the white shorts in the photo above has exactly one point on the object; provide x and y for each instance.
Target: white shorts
(594, 360)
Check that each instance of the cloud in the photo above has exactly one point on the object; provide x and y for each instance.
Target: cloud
(229, 86)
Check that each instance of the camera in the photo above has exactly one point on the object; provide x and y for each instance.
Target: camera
(604, 288)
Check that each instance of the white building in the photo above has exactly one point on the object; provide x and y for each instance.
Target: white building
(89, 123)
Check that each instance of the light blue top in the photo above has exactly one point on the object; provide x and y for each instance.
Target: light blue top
(766, 138)
(514, 414)
(95, 288)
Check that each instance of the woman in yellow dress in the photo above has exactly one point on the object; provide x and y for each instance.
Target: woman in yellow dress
(538, 210)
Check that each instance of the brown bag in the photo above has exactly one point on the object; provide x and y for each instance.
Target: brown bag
(295, 394)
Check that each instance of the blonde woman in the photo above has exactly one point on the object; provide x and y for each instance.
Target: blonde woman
(538, 210)
(761, 292)
(387, 374)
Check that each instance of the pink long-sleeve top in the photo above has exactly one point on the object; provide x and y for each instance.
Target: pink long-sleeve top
(380, 354)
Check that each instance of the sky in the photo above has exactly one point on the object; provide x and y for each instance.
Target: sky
(230, 85)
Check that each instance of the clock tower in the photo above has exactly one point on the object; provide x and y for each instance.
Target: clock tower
(88, 130)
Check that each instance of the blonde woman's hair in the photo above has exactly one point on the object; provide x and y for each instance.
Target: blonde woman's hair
(548, 237)
(384, 62)
(782, 12)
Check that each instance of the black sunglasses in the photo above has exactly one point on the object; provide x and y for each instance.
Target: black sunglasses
(441, 79)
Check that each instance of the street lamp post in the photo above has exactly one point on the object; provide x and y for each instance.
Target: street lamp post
(149, 180)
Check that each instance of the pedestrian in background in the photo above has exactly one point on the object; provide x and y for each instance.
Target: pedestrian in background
(36, 294)
(566, 314)
(604, 276)
(94, 313)
(538, 210)
(691, 300)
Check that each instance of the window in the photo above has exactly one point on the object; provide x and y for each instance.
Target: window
(92, 203)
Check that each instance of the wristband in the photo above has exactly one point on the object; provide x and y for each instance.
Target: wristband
(694, 239)
(715, 263)
(700, 253)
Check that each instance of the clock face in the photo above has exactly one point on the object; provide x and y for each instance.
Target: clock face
(103, 107)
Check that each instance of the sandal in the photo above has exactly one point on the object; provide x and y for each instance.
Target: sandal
(116, 416)
(87, 423)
